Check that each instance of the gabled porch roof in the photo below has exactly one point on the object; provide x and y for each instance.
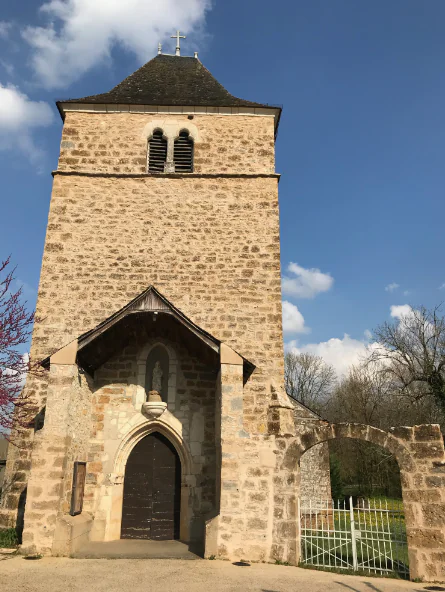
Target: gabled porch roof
(96, 346)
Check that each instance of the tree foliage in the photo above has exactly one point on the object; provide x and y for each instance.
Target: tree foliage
(337, 487)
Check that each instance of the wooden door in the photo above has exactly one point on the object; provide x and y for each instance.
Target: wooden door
(152, 491)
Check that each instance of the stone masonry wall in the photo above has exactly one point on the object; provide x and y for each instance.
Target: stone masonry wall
(63, 439)
(420, 453)
(315, 483)
(115, 142)
(243, 527)
(315, 476)
(117, 402)
(210, 246)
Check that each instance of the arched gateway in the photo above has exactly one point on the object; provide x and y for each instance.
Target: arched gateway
(419, 451)
(152, 491)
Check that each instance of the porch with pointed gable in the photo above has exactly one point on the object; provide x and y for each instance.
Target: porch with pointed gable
(97, 387)
(149, 311)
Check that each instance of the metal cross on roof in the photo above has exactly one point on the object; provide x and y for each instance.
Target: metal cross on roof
(178, 37)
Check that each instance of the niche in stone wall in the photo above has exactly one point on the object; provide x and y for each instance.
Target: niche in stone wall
(157, 370)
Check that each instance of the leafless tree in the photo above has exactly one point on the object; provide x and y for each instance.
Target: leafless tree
(308, 379)
(15, 328)
(361, 397)
(413, 352)
(369, 394)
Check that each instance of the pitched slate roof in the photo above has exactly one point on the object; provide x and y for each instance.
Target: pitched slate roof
(170, 80)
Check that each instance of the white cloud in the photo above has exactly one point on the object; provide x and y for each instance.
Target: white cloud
(442, 287)
(345, 352)
(340, 353)
(19, 117)
(23, 373)
(306, 283)
(80, 34)
(401, 310)
(4, 29)
(391, 287)
(293, 320)
(367, 334)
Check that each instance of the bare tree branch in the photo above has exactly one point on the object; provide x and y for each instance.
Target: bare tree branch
(414, 350)
(308, 379)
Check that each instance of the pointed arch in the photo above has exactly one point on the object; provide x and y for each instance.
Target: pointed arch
(139, 432)
(132, 438)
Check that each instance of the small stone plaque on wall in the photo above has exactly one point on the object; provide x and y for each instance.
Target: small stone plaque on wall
(80, 471)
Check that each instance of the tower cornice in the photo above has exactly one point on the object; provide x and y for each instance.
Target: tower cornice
(262, 111)
(167, 175)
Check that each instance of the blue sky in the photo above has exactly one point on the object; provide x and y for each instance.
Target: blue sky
(361, 143)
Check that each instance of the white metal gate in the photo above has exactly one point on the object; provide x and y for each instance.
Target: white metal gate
(368, 535)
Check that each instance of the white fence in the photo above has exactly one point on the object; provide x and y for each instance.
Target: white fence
(369, 535)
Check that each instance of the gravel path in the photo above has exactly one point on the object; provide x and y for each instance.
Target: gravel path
(133, 575)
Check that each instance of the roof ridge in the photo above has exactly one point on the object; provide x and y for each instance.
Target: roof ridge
(170, 80)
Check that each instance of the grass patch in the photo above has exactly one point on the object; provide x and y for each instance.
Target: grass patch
(8, 538)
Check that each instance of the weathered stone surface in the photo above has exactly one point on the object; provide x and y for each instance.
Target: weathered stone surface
(434, 515)
(430, 450)
(426, 539)
(315, 474)
(115, 143)
(427, 433)
(402, 432)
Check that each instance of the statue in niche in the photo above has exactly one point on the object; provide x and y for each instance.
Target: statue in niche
(156, 382)
(156, 374)
(155, 406)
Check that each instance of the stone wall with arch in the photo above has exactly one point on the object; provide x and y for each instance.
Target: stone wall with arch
(171, 428)
(118, 425)
(419, 451)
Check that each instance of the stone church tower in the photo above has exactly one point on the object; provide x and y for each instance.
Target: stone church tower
(161, 330)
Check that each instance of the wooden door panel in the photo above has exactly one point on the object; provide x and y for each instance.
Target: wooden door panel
(152, 490)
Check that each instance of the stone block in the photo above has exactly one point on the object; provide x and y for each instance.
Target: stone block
(427, 433)
(422, 496)
(402, 432)
(287, 530)
(426, 450)
(427, 538)
(434, 515)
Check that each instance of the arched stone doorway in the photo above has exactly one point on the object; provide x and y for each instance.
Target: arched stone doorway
(152, 490)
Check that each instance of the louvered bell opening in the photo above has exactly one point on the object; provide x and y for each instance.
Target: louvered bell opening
(183, 154)
(157, 153)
